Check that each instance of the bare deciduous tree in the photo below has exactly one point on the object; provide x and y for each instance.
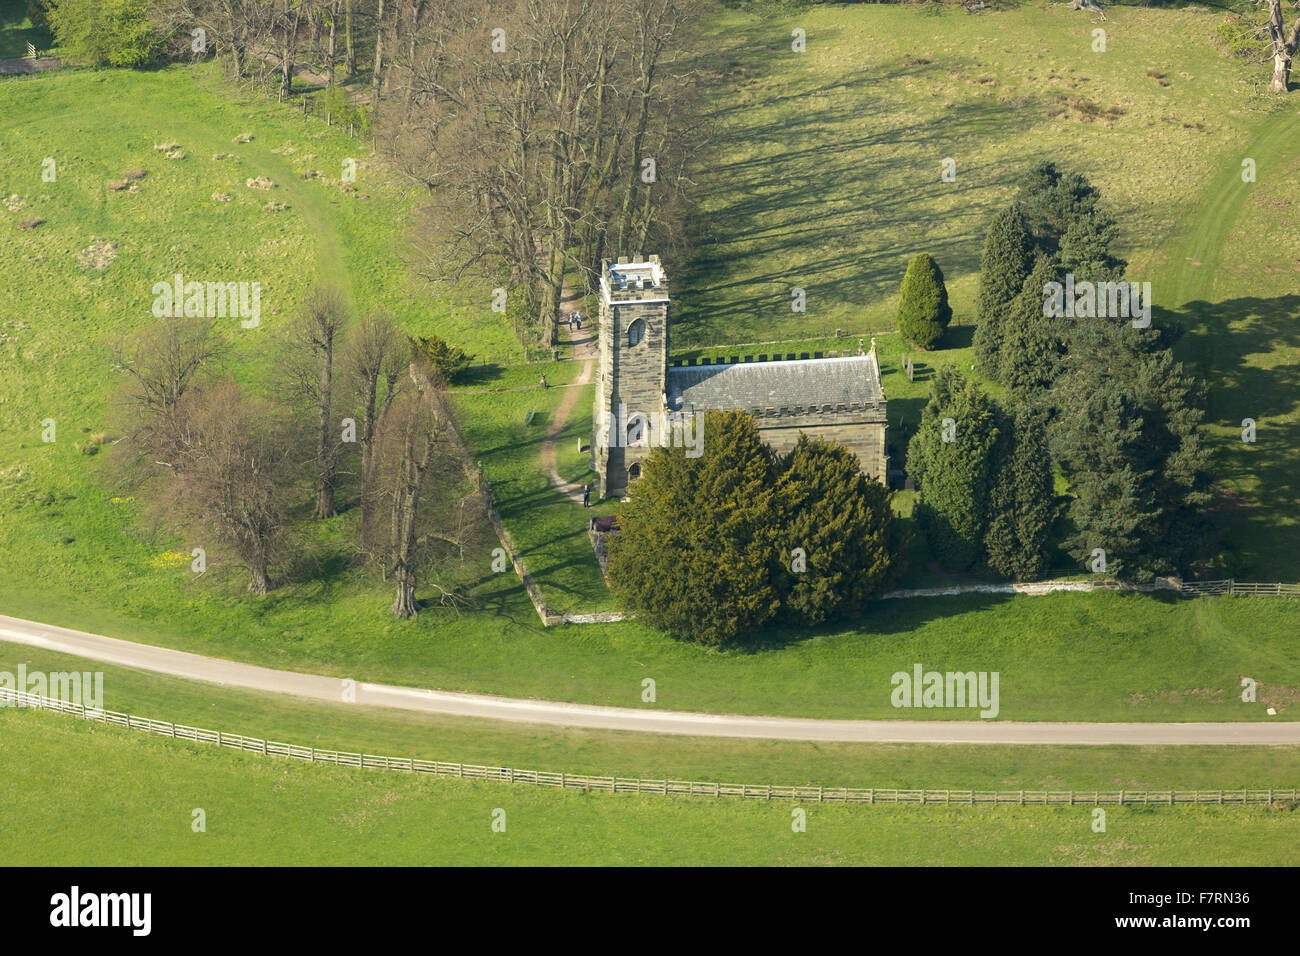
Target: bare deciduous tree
(375, 365)
(377, 75)
(531, 121)
(308, 376)
(162, 363)
(287, 18)
(437, 516)
(239, 29)
(350, 60)
(230, 477)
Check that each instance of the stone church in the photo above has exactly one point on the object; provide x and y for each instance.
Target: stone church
(837, 396)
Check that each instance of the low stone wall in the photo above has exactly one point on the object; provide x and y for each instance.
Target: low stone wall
(1034, 587)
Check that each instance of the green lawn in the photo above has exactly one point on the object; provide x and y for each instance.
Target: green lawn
(549, 529)
(826, 170)
(109, 796)
(651, 756)
(66, 534)
(1231, 279)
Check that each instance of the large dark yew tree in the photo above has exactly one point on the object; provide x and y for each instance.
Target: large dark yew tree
(715, 547)
(696, 553)
(844, 529)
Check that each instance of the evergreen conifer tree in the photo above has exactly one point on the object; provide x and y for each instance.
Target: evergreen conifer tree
(1005, 264)
(923, 310)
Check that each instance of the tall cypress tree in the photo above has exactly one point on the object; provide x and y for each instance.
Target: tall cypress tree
(1099, 445)
(1032, 343)
(1127, 436)
(1085, 248)
(1052, 200)
(1063, 212)
(951, 458)
(1022, 504)
(1005, 264)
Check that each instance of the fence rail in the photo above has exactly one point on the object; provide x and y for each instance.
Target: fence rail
(1229, 586)
(687, 788)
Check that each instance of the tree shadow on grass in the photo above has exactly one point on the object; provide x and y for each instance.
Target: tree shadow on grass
(802, 192)
(881, 618)
(1247, 350)
(957, 337)
(319, 571)
(481, 376)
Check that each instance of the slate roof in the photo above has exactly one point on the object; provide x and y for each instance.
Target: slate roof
(762, 384)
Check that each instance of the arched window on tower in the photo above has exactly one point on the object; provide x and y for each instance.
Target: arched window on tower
(636, 431)
(634, 471)
(636, 332)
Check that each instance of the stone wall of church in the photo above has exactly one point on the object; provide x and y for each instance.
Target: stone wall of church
(862, 431)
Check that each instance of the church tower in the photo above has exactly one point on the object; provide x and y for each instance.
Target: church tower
(630, 390)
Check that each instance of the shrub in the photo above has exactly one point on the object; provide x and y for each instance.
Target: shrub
(39, 14)
(106, 32)
(1244, 35)
(447, 359)
(343, 114)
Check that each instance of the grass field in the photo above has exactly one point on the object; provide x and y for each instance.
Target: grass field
(649, 756)
(64, 530)
(826, 177)
(549, 530)
(826, 172)
(112, 796)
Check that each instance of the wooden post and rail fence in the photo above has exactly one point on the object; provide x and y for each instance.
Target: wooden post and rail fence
(687, 788)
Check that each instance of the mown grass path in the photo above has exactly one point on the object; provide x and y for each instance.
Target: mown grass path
(1197, 254)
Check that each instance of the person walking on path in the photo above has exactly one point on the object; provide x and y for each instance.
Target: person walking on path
(586, 496)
